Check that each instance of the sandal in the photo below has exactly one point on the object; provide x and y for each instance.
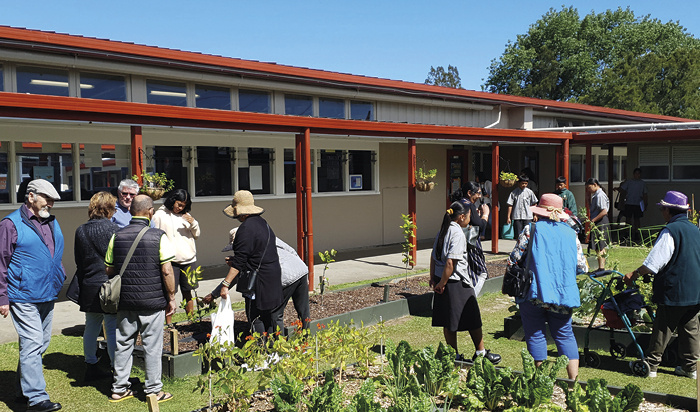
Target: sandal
(163, 396)
(118, 397)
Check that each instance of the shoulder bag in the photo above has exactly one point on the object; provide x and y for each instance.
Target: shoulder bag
(518, 278)
(247, 278)
(110, 291)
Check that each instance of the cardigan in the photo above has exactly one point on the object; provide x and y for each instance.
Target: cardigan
(91, 241)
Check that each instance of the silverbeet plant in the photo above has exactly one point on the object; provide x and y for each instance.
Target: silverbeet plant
(488, 384)
(536, 385)
(596, 397)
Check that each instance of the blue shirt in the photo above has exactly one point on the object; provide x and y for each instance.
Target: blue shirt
(122, 217)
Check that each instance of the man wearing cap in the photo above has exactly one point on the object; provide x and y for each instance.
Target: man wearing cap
(127, 190)
(31, 275)
(675, 263)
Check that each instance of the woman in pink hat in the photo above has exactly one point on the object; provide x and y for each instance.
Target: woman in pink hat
(555, 259)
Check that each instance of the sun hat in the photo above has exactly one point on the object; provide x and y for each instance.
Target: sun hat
(229, 245)
(43, 187)
(242, 204)
(550, 206)
(674, 200)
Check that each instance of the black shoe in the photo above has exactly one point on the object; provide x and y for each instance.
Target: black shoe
(44, 406)
(460, 358)
(492, 357)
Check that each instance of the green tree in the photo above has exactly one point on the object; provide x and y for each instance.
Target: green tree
(568, 58)
(439, 77)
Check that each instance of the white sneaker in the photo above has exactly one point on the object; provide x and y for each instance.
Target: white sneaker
(652, 374)
(680, 372)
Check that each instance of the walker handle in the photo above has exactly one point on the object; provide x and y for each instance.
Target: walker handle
(601, 273)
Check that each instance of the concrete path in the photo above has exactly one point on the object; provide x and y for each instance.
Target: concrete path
(350, 266)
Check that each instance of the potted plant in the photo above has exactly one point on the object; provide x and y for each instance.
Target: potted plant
(155, 185)
(424, 179)
(507, 179)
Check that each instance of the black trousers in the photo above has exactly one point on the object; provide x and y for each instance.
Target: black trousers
(299, 293)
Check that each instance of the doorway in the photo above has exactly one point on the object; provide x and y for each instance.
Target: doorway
(458, 170)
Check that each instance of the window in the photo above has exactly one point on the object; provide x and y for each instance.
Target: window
(168, 160)
(212, 176)
(576, 166)
(482, 164)
(602, 168)
(40, 80)
(255, 170)
(102, 167)
(331, 108)
(360, 165)
(361, 110)
(290, 171)
(170, 93)
(654, 162)
(50, 161)
(2, 80)
(4, 174)
(254, 101)
(297, 105)
(686, 163)
(330, 171)
(210, 97)
(102, 86)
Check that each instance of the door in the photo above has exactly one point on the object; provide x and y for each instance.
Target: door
(458, 170)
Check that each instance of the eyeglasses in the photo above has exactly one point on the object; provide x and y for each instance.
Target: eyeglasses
(126, 194)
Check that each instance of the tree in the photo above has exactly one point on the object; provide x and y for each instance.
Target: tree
(563, 57)
(439, 77)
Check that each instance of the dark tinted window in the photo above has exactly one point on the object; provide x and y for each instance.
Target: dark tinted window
(361, 110)
(39, 80)
(170, 93)
(253, 101)
(331, 108)
(297, 105)
(210, 97)
(102, 86)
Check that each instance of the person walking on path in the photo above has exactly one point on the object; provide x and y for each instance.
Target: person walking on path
(455, 307)
(127, 190)
(568, 199)
(675, 263)
(600, 204)
(469, 195)
(90, 247)
(147, 295)
(182, 229)
(634, 191)
(519, 203)
(31, 275)
(556, 257)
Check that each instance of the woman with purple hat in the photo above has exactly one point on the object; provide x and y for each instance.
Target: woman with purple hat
(675, 263)
(555, 259)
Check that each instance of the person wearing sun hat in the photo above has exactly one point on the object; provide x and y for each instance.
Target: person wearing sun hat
(254, 247)
(674, 261)
(556, 258)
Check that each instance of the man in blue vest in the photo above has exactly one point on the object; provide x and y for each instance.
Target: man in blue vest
(31, 275)
(675, 263)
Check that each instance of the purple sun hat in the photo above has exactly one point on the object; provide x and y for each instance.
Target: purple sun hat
(675, 200)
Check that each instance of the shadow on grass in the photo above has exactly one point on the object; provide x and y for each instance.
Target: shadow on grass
(7, 396)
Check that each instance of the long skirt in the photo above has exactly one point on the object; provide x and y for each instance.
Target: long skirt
(456, 308)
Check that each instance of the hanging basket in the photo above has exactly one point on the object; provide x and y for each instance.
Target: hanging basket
(424, 186)
(154, 193)
(507, 183)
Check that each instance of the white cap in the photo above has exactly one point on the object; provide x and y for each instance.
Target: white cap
(43, 187)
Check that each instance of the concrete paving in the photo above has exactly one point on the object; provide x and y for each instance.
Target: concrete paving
(350, 266)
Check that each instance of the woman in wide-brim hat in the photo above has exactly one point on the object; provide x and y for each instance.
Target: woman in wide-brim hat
(556, 257)
(254, 249)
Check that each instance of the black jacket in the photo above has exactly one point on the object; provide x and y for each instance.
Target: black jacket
(91, 241)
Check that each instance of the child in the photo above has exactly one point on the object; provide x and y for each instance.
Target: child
(519, 203)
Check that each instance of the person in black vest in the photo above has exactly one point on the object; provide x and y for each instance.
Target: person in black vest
(147, 295)
(91, 240)
(675, 263)
(254, 247)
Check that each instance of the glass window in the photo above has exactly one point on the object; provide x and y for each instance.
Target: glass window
(170, 93)
(211, 97)
(255, 170)
(360, 166)
(254, 101)
(603, 168)
(655, 162)
(686, 163)
(102, 167)
(212, 176)
(102, 86)
(330, 171)
(41, 80)
(576, 168)
(50, 161)
(361, 110)
(4, 174)
(168, 160)
(290, 171)
(297, 105)
(331, 108)
(2, 80)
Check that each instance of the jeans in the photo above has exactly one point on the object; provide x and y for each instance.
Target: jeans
(684, 321)
(534, 319)
(150, 325)
(93, 325)
(33, 325)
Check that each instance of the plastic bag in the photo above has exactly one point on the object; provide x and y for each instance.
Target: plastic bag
(508, 232)
(222, 331)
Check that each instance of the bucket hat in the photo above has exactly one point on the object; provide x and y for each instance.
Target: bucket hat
(550, 206)
(43, 187)
(675, 200)
(242, 204)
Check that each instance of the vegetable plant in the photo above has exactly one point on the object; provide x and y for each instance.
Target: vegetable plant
(326, 398)
(288, 392)
(327, 258)
(536, 385)
(488, 384)
(596, 397)
(427, 175)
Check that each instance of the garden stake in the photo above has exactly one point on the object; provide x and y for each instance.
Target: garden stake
(381, 345)
(174, 338)
(386, 293)
(152, 401)
(316, 338)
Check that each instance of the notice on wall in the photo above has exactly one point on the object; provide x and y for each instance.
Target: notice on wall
(256, 177)
(3, 182)
(44, 172)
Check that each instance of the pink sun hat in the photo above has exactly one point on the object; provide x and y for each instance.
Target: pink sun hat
(550, 206)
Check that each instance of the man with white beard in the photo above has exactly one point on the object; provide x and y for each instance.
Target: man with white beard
(31, 275)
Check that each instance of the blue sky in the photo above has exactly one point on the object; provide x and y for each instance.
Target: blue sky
(391, 39)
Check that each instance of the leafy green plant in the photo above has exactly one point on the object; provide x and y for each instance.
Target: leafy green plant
(327, 258)
(507, 176)
(427, 175)
(408, 227)
(288, 392)
(436, 370)
(326, 398)
(154, 180)
(363, 401)
(596, 397)
(536, 385)
(193, 277)
(487, 383)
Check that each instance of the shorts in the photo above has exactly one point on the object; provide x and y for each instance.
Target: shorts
(456, 308)
(633, 211)
(180, 278)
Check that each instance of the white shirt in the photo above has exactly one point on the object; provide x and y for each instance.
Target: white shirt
(661, 253)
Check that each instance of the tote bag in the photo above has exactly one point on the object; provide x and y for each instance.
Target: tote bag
(508, 232)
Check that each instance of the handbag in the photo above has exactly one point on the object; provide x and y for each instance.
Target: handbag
(618, 205)
(518, 278)
(247, 278)
(110, 291)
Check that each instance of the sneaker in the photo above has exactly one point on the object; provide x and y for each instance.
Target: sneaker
(492, 357)
(681, 372)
